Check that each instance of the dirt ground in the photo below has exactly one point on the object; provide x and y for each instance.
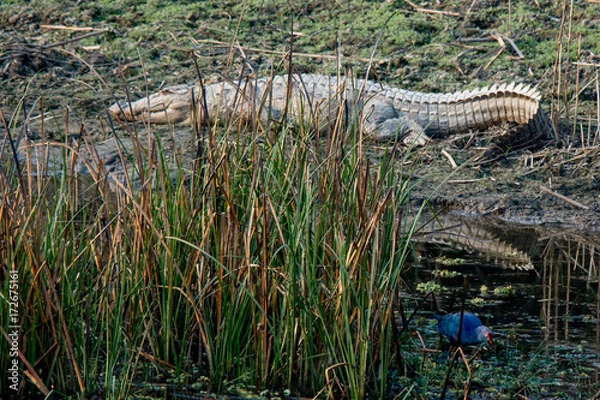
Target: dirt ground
(62, 66)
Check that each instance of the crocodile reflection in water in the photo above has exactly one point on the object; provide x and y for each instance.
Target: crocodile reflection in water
(486, 237)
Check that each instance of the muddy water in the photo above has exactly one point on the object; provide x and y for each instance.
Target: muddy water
(537, 288)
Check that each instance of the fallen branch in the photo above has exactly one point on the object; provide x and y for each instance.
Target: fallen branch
(514, 47)
(76, 39)
(70, 28)
(585, 64)
(494, 58)
(565, 198)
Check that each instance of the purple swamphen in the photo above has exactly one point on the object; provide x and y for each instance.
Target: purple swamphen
(473, 331)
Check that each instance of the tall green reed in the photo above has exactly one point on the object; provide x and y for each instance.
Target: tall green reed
(275, 263)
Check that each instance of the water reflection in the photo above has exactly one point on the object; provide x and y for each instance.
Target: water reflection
(570, 256)
(540, 284)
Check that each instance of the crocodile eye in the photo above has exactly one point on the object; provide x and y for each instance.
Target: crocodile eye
(158, 107)
(174, 111)
(178, 105)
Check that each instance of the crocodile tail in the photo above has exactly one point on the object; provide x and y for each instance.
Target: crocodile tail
(523, 103)
(480, 109)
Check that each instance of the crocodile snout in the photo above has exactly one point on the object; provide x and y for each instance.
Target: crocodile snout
(170, 105)
(123, 111)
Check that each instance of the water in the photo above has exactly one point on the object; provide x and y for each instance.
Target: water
(536, 287)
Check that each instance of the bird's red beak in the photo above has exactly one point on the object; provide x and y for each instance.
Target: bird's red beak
(489, 339)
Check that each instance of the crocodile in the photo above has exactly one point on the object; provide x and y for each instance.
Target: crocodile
(384, 113)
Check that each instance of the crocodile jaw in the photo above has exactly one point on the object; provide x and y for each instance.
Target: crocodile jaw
(172, 105)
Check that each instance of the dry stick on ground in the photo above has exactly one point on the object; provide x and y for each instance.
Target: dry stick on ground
(70, 28)
(76, 39)
(501, 41)
(512, 43)
(450, 159)
(459, 56)
(428, 11)
(496, 55)
(459, 181)
(565, 198)
(586, 64)
(589, 152)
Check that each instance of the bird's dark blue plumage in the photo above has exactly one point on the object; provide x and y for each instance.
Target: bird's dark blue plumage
(473, 331)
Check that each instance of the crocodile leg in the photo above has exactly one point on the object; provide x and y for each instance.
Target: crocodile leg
(385, 123)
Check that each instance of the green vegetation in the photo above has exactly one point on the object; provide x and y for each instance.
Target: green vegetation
(274, 265)
(274, 268)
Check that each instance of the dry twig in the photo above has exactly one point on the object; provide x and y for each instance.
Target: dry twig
(76, 39)
(70, 28)
(450, 159)
(512, 43)
(497, 52)
(565, 198)
(428, 11)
